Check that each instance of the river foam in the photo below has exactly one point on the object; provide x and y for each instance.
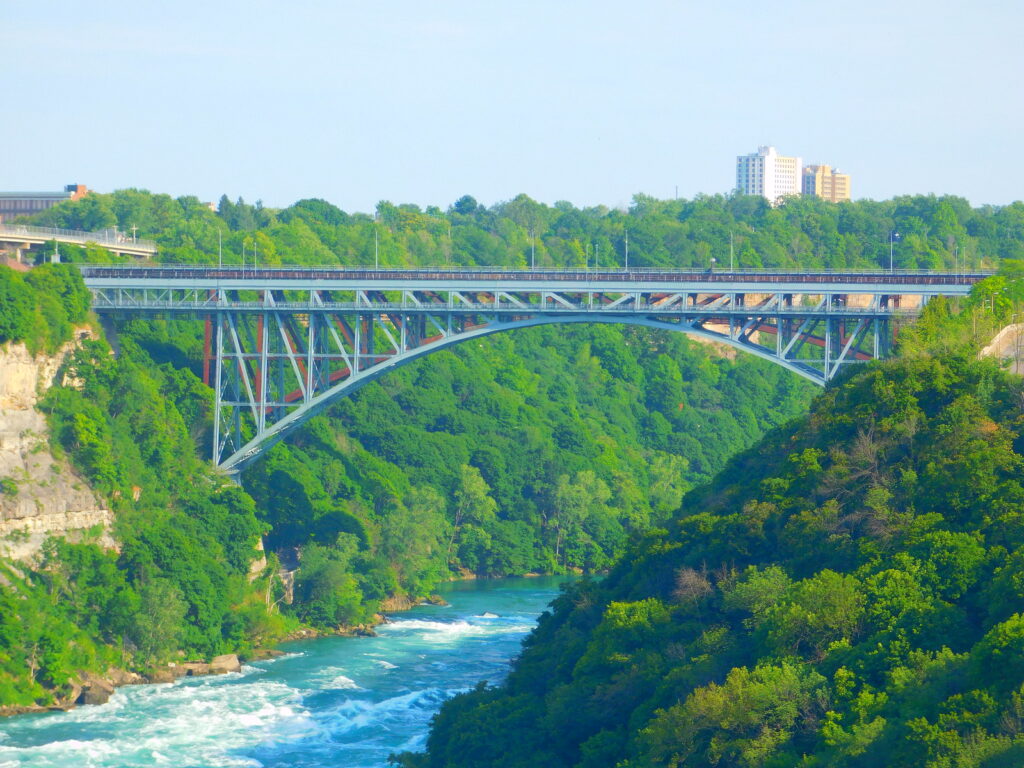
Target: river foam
(185, 724)
(454, 631)
(337, 701)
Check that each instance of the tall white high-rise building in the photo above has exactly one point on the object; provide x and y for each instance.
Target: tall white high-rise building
(769, 174)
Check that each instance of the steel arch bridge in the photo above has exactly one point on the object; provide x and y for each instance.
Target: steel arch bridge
(283, 343)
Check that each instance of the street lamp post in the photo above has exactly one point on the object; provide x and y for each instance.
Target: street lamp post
(893, 237)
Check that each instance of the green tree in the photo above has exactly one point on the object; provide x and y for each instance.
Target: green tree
(156, 627)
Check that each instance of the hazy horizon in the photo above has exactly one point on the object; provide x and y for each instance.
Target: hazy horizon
(585, 102)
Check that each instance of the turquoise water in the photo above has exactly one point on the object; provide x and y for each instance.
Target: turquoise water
(330, 702)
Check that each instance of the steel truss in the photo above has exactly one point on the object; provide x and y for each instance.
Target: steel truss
(275, 360)
(277, 357)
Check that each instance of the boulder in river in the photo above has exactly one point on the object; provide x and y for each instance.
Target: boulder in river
(195, 668)
(161, 676)
(95, 690)
(120, 677)
(225, 663)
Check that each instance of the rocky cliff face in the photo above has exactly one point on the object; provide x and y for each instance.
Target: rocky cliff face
(1008, 345)
(40, 495)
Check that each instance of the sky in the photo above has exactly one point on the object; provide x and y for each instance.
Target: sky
(590, 102)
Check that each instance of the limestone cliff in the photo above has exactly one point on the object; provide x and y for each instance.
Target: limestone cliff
(1008, 345)
(40, 495)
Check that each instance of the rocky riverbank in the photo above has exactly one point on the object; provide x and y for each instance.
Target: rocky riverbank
(393, 604)
(89, 688)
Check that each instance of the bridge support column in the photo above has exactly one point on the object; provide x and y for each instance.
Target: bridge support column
(262, 333)
(218, 389)
(207, 338)
(828, 348)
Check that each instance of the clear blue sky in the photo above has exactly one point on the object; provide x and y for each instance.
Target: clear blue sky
(590, 102)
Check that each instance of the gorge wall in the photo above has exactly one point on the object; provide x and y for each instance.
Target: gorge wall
(40, 495)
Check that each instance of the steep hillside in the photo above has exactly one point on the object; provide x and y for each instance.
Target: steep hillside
(40, 495)
(847, 593)
(178, 577)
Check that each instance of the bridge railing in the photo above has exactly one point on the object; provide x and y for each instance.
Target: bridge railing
(261, 271)
(596, 274)
(103, 237)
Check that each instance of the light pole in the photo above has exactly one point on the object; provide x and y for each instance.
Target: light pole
(627, 250)
(713, 260)
(893, 237)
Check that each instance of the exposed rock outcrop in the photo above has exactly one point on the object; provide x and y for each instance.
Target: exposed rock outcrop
(40, 495)
(161, 676)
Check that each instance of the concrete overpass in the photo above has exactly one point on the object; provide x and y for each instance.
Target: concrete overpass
(21, 237)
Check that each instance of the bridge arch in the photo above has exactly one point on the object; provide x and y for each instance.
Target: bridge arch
(265, 439)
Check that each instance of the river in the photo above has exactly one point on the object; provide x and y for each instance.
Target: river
(336, 701)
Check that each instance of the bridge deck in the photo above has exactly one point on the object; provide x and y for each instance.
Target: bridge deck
(485, 278)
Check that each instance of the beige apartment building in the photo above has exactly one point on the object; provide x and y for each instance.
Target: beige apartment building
(826, 183)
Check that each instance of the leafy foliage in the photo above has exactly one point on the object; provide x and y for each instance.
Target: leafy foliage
(39, 308)
(847, 593)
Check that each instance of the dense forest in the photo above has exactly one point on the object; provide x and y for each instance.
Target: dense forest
(541, 451)
(846, 593)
